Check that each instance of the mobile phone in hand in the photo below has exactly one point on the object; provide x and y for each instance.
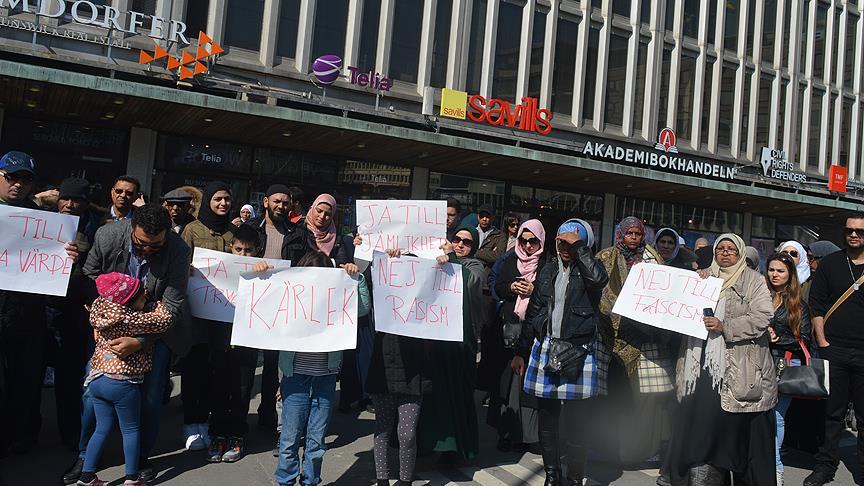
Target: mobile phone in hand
(708, 312)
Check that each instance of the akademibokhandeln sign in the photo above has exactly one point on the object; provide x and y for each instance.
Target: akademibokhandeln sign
(526, 116)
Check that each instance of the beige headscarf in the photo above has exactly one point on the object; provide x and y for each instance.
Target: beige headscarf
(731, 274)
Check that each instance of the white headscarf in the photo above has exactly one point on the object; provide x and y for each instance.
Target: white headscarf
(251, 210)
(803, 267)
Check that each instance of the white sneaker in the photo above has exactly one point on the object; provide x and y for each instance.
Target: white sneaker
(204, 431)
(194, 441)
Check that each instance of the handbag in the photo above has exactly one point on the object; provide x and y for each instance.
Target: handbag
(565, 358)
(809, 381)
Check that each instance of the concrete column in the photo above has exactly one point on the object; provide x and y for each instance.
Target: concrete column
(522, 78)
(549, 54)
(142, 156)
(747, 228)
(457, 52)
(269, 33)
(352, 34)
(608, 228)
(305, 27)
(216, 21)
(385, 34)
(427, 35)
(490, 38)
(602, 65)
(419, 183)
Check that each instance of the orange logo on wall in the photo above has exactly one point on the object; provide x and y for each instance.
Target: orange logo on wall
(186, 59)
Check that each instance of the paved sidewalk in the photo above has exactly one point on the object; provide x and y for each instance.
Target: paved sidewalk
(348, 461)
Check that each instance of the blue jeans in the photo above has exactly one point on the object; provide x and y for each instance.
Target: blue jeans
(306, 402)
(152, 392)
(780, 410)
(110, 396)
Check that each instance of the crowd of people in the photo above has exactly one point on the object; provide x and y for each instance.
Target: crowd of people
(562, 374)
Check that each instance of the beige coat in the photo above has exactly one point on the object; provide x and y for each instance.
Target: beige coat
(750, 379)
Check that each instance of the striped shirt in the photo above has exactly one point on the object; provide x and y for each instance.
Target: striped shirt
(311, 364)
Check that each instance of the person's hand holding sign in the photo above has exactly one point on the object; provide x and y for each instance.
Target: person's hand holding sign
(262, 266)
(71, 250)
(447, 248)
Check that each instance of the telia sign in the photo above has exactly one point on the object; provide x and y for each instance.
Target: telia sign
(327, 69)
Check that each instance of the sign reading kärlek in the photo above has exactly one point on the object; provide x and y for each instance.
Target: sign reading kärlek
(668, 298)
(304, 309)
(416, 227)
(212, 288)
(418, 298)
(32, 254)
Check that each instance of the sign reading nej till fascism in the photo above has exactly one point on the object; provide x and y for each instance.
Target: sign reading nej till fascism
(304, 309)
(417, 298)
(416, 227)
(32, 254)
(668, 298)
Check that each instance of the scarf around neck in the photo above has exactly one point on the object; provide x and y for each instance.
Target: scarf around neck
(322, 239)
(677, 239)
(527, 264)
(631, 256)
(206, 215)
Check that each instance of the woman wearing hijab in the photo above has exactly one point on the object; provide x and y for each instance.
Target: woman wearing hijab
(511, 282)
(212, 231)
(247, 214)
(562, 307)
(640, 394)
(727, 384)
(321, 234)
(448, 419)
(674, 254)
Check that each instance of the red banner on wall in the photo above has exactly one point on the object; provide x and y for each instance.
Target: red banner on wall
(837, 177)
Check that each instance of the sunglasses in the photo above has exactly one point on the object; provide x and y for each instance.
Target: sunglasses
(853, 231)
(529, 241)
(139, 244)
(465, 241)
(121, 192)
(513, 224)
(792, 253)
(18, 178)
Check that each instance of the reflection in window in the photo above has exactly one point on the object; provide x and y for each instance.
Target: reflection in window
(663, 98)
(730, 30)
(243, 21)
(751, 27)
(849, 59)
(803, 39)
(590, 74)
(834, 41)
(286, 41)
(475, 49)
(763, 115)
(621, 7)
(328, 36)
(145, 7)
(507, 51)
(538, 41)
(196, 17)
(616, 79)
(769, 28)
(798, 116)
(787, 26)
(405, 47)
(639, 97)
(845, 127)
(472, 193)
(712, 21)
(645, 11)
(745, 110)
(706, 99)
(441, 43)
(564, 71)
(670, 16)
(686, 91)
(727, 105)
(814, 136)
(829, 145)
(691, 18)
(819, 46)
(369, 35)
(781, 116)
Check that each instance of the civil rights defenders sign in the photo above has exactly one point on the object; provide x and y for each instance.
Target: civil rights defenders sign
(32, 258)
(306, 309)
(212, 288)
(417, 298)
(668, 298)
(416, 227)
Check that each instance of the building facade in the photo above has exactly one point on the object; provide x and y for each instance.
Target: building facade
(701, 115)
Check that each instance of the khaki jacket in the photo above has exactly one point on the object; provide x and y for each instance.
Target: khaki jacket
(750, 378)
(195, 234)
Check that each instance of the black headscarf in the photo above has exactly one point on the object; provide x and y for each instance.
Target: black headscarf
(474, 235)
(219, 224)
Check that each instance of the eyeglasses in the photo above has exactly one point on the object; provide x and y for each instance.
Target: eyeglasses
(465, 241)
(529, 241)
(853, 231)
(725, 251)
(513, 224)
(792, 253)
(153, 246)
(18, 178)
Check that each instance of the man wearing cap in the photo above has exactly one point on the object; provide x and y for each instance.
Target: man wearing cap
(23, 326)
(178, 203)
(282, 239)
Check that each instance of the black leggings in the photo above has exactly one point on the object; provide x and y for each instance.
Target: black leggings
(403, 411)
(567, 418)
(195, 385)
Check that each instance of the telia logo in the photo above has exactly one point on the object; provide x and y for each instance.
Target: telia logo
(666, 141)
(327, 68)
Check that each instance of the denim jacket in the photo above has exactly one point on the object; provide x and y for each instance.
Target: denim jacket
(334, 358)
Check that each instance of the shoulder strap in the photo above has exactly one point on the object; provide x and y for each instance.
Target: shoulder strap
(845, 296)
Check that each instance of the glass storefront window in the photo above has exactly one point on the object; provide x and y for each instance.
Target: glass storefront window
(471, 192)
(198, 155)
(328, 36)
(289, 17)
(507, 44)
(690, 221)
(243, 20)
(441, 43)
(763, 226)
(405, 47)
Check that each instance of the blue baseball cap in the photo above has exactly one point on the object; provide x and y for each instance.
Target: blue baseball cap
(15, 161)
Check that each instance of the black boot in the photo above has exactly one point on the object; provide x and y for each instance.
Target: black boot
(707, 475)
(575, 457)
(551, 457)
(71, 475)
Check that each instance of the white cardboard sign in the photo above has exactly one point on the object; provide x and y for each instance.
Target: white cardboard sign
(668, 298)
(416, 227)
(304, 309)
(32, 254)
(212, 287)
(418, 298)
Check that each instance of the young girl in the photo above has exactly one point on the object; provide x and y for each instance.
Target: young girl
(115, 383)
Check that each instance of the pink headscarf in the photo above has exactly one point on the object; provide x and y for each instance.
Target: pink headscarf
(325, 239)
(527, 264)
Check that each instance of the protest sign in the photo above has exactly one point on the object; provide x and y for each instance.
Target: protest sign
(212, 287)
(32, 254)
(668, 298)
(418, 298)
(416, 227)
(306, 309)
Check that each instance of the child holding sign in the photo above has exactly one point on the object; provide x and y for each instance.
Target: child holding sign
(115, 383)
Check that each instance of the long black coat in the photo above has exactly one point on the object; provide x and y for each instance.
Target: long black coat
(399, 366)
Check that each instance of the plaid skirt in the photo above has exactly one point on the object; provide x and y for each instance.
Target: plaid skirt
(591, 384)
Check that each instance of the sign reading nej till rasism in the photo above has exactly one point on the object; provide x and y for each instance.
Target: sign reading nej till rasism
(32, 254)
(416, 227)
(668, 298)
(418, 298)
(212, 288)
(304, 309)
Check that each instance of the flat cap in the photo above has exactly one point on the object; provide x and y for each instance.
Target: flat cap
(177, 195)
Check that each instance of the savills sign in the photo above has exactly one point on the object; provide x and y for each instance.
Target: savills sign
(85, 12)
(526, 116)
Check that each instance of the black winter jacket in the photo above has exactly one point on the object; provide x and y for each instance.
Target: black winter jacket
(587, 279)
(399, 366)
(787, 342)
